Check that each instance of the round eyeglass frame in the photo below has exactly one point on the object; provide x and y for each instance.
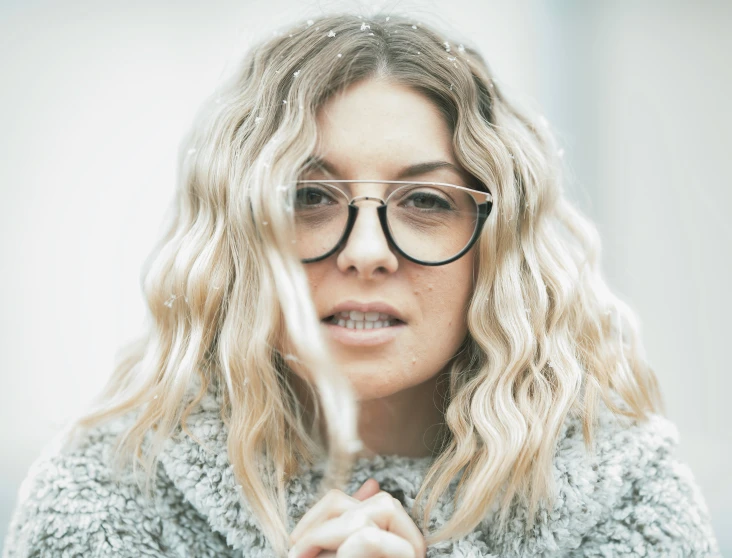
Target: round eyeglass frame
(484, 209)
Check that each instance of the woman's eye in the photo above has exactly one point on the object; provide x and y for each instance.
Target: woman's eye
(310, 197)
(428, 201)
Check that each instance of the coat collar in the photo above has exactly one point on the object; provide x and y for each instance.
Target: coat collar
(588, 486)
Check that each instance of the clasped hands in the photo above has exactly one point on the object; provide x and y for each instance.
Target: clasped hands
(369, 524)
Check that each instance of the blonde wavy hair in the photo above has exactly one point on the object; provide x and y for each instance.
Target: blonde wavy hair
(229, 302)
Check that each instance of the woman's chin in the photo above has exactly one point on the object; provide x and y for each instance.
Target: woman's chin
(368, 387)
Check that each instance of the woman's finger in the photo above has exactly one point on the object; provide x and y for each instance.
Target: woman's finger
(368, 489)
(333, 504)
(382, 511)
(372, 542)
(330, 535)
(388, 514)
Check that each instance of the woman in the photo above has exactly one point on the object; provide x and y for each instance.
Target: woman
(378, 329)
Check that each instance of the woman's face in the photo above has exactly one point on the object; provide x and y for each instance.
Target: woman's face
(373, 131)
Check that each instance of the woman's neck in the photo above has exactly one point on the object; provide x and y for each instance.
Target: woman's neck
(409, 423)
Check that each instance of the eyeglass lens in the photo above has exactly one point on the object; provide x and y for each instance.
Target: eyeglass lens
(430, 223)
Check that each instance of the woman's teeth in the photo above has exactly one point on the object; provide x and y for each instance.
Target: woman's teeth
(362, 320)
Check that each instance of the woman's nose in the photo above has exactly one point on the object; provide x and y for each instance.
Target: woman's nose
(367, 249)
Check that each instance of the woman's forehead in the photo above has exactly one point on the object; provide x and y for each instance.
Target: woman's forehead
(398, 170)
(376, 113)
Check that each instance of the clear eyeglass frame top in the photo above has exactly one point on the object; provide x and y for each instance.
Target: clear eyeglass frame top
(483, 201)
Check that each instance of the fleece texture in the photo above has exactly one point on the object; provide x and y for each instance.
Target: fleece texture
(630, 497)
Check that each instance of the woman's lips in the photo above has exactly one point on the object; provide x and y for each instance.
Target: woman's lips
(363, 337)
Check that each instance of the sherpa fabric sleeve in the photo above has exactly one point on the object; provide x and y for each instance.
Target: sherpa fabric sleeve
(662, 511)
(69, 506)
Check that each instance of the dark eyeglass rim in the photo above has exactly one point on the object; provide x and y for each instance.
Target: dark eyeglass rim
(484, 210)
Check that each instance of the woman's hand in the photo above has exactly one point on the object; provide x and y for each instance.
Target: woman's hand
(371, 523)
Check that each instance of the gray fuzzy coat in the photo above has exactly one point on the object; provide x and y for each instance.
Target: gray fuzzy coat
(632, 497)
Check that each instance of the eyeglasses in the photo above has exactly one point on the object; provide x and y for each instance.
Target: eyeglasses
(429, 223)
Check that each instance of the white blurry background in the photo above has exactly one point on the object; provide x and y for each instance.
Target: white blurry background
(95, 96)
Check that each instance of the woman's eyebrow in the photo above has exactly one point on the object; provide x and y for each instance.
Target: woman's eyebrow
(407, 172)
